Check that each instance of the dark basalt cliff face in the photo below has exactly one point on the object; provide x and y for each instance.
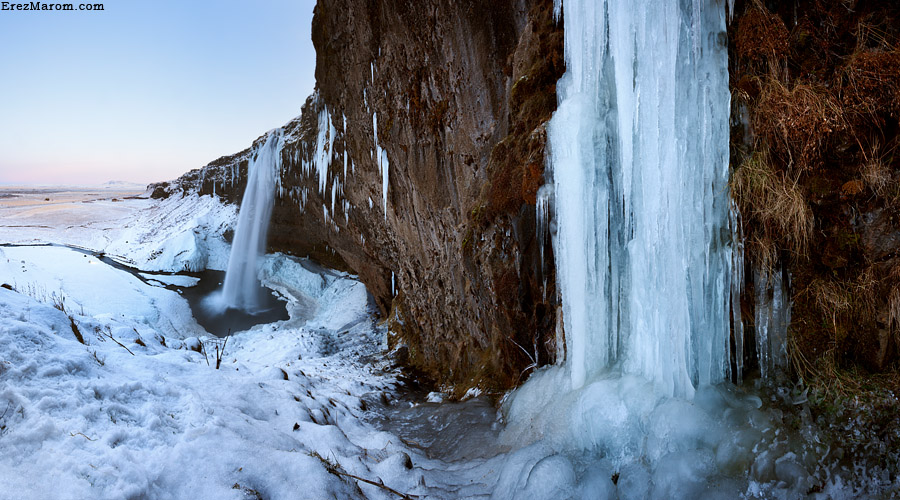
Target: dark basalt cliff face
(445, 102)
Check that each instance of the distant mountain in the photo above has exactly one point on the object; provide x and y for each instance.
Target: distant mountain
(123, 185)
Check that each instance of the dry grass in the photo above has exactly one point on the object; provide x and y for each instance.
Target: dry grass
(823, 372)
(871, 83)
(822, 146)
(872, 33)
(833, 298)
(825, 375)
(763, 251)
(761, 35)
(876, 175)
(847, 303)
(894, 304)
(796, 121)
(776, 202)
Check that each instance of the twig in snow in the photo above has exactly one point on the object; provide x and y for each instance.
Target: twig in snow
(109, 334)
(334, 468)
(78, 336)
(203, 349)
(73, 434)
(219, 354)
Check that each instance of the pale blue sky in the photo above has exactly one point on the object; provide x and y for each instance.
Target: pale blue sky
(147, 89)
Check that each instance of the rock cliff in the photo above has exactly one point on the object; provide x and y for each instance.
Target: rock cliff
(416, 165)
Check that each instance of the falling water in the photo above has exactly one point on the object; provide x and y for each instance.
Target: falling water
(639, 160)
(241, 287)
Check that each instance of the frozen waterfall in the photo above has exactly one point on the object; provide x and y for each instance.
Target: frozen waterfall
(639, 165)
(241, 287)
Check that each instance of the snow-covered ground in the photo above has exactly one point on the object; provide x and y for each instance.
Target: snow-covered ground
(136, 407)
(110, 389)
(175, 234)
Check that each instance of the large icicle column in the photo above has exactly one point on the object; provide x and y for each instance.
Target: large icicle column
(241, 287)
(639, 160)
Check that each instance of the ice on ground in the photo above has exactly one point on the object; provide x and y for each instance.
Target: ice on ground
(94, 421)
(194, 228)
(171, 279)
(135, 411)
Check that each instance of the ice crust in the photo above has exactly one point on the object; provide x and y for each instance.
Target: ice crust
(619, 436)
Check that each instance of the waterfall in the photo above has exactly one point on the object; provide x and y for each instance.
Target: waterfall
(241, 288)
(639, 164)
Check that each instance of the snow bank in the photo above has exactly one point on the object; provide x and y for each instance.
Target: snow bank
(86, 287)
(176, 234)
(128, 415)
(95, 422)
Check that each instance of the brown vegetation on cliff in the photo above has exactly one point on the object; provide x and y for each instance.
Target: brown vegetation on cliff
(817, 174)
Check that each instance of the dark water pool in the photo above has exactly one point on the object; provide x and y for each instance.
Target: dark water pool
(273, 308)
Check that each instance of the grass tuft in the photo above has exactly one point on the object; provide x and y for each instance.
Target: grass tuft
(797, 120)
(777, 203)
(760, 35)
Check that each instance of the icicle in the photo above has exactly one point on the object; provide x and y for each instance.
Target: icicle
(771, 318)
(334, 190)
(737, 285)
(324, 148)
(346, 152)
(639, 154)
(542, 216)
(383, 164)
